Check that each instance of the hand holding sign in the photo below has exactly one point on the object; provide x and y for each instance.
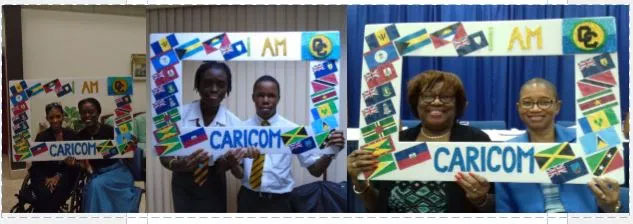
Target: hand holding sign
(607, 192)
(475, 186)
(336, 140)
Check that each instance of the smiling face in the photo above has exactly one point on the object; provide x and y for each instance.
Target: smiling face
(266, 97)
(89, 114)
(55, 117)
(213, 85)
(436, 107)
(538, 106)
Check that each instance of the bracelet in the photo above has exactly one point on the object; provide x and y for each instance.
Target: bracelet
(360, 192)
(617, 207)
(169, 165)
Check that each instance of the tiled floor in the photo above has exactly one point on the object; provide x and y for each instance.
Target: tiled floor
(11, 185)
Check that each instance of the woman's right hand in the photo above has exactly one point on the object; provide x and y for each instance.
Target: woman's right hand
(70, 161)
(360, 161)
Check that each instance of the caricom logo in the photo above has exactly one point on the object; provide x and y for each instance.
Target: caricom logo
(320, 46)
(588, 35)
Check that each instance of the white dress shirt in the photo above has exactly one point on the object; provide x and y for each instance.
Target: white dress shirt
(277, 174)
(192, 117)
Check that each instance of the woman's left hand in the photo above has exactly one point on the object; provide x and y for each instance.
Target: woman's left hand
(607, 192)
(335, 139)
(475, 186)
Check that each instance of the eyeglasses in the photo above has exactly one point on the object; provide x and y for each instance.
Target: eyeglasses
(444, 99)
(541, 103)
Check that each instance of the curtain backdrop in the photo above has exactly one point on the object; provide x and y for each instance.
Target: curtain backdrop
(492, 83)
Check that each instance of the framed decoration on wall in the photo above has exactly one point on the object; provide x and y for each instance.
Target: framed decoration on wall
(138, 66)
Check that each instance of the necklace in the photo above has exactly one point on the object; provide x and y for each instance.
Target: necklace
(434, 137)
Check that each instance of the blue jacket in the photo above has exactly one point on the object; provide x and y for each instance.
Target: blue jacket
(528, 197)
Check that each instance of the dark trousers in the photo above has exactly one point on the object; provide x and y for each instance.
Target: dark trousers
(51, 201)
(249, 201)
(189, 197)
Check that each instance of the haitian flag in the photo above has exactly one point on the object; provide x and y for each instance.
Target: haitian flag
(188, 49)
(379, 56)
(39, 149)
(52, 86)
(567, 171)
(378, 94)
(378, 111)
(215, 43)
(412, 42)
(164, 91)
(302, 146)
(164, 60)
(382, 36)
(325, 68)
(595, 65)
(164, 44)
(194, 137)
(413, 155)
(166, 75)
(236, 49)
(163, 105)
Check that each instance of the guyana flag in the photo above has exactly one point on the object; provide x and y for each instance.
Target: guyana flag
(554, 156)
(386, 164)
(380, 146)
(19, 157)
(379, 129)
(170, 145)
(294, 135)
(605, 161)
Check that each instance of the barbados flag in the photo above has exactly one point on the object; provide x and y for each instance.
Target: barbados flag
(382, 36)
(189, 49)
(164, 44)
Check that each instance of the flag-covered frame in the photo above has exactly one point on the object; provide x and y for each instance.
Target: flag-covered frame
(592, 43)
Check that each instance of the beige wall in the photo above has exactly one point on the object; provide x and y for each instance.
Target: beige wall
(61, 44)
(293, 76)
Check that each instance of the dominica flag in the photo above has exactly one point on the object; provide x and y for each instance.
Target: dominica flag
(168, 146)
(189, 49)
(294, 135)
(171, 116)
(412, 42)
(382, 36)
(596, 102)
(553, 156)
(164, 44)
(380, 146)
(166, 132)
(605, 161)
(379, 129)
(598, 121)
(386, 164)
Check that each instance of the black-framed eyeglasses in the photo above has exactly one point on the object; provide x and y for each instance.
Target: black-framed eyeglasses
(444, 99)
(541, 103)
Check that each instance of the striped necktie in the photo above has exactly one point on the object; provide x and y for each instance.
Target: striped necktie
(200, 175)
(255, 180)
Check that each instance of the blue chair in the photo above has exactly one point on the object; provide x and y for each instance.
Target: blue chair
(495, 125)
(566, 123)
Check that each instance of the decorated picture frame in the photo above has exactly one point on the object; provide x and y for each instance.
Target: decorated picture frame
(168, 50)
(592, 42)
(28, 99)
(138, 67)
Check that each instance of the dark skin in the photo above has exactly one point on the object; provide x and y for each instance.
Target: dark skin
(266, 97)
(54, 118)
(212, 89)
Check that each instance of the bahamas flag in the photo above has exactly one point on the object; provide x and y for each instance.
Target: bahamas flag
(189, 49)
(412, 42)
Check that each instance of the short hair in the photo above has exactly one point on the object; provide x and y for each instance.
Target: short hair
(52, 106)
(537, 80)
(91, 100)
(210, 65)
(426, 80)
(267, 78)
